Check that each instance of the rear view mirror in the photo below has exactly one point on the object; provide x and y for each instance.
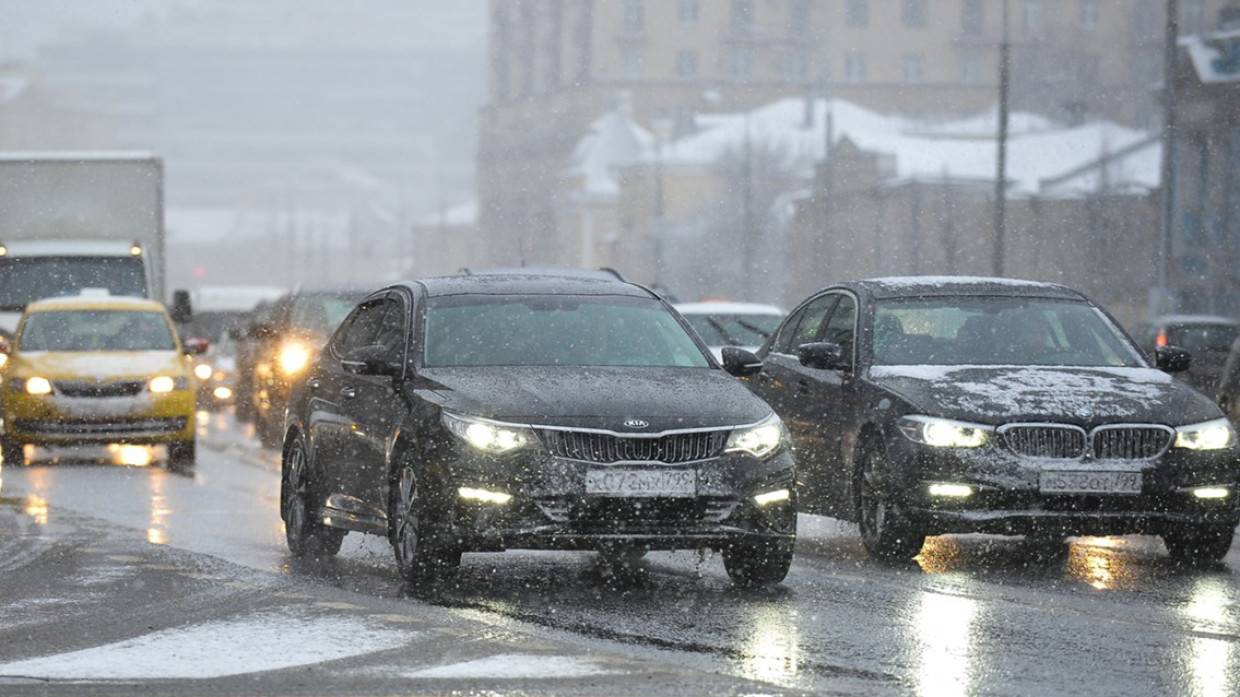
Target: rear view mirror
(822, 355)
(182, 310)
(739, 362)
(1172, 359)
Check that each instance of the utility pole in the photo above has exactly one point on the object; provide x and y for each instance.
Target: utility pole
(1171, 34)
(747, 215)
(1000, 223)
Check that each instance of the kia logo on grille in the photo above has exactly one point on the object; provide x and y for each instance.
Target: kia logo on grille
(635, 423)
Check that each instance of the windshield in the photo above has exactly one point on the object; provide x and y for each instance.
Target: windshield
(734, 330)
(321, 314)
(997, 331)
(96, 330)
(26, 279)
(1202, 337)
(478, 330)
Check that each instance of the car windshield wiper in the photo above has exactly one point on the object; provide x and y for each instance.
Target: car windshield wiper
(728, 338)
(755, 329)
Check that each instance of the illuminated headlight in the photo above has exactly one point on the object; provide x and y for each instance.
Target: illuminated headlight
(294, 358)
(4, 359)
(164, 384)
(760, 440)
(203, 371)
(488, 436)
(770, 497)
(950, 491)
(1211, 492)
(944, 433)
(37, 386)
(223, 392)
(498, 498)
(1210, 435)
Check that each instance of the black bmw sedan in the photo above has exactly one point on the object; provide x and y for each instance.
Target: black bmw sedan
(921, 406)
(488, 412)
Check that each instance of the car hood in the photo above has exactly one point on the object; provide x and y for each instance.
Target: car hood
(1000, 394)
(596, 397)
(98, 365)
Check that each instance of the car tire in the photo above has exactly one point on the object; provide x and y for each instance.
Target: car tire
(303, 532)
(419, 557)
(182, 455)
(12, 453)
(886, 532)
(1203, 543)
(752, 564)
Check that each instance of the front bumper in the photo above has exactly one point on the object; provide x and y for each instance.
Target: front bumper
(145, 419)
(550, 508)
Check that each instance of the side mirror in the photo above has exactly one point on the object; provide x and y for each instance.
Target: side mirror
(370, 360)
(196, 345)
(822, 355)
(1172, 359)
(182, 310)
(739, 362)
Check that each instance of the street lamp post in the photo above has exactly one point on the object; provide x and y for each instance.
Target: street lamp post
(1000, 210)
(1170, 36)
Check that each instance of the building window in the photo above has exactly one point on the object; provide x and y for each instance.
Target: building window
(972, 68)
(742, 16)
(799, 17)
(972, 16)
(854, 66)
(686, 64)
(633, 20)
(688, 11)
(858, 12)
(1091, 14)
(914, 13)
(1031, 17)
(914, 65)
(634, 62)
(740, 64)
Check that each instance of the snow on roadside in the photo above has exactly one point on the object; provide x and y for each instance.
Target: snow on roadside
(515, 666)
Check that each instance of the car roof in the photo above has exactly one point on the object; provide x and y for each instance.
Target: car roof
(530, 284)
(723, 307)
(90, 302)
(1194, 319)
(940, 286)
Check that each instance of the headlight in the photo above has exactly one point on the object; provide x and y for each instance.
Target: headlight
(37, 386)
(760, 440)
(203, 371)
(944, 433)
(162, 384)
(488, 436)
(1210, 435)
(294, 358)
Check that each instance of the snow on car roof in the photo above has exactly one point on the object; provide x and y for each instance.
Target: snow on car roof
(1195, 319)
(90, 301)
(895, 286)
(722, 307)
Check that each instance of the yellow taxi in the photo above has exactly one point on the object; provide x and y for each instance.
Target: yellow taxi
(101, 370)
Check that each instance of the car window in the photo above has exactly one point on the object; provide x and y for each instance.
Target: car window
(391, 330)
(804, 329)
(1202, 337)
(733, 330)
(96, 330)
(841, 327)
(361, 328)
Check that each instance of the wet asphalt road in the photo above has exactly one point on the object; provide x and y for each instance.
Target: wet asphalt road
(114, 579)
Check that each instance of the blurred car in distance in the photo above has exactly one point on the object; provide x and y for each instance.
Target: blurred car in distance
(97, 370)
(722, 323)
(1208, 338)
(220, 312)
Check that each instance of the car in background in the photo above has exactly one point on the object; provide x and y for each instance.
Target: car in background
(220, 312)
(281, 346)
(215, 370)
(745, 325)
(1207, 337)
(922, 406)
(97, 370)
(466, 414)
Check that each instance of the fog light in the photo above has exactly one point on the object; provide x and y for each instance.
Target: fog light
(951, 491)
(498, 498)
(1211, 492)
(222, 392)
(772, 497)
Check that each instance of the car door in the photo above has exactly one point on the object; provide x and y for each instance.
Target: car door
(377, 404)
(830, 396)
(782, 383)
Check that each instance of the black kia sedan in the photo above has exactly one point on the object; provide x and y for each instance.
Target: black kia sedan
(922, 406)
(489, 412)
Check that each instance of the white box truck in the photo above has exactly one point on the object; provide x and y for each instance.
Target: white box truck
(76, 220)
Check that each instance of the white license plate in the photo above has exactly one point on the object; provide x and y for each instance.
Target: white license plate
(1068, 482)
(631, 482)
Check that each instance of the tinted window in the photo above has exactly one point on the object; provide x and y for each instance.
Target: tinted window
(734, 330)
(1202, 337)
(24, 280)
(391, 331)
(362, 328)
(96, 330)
(479, 330)
(804, 328)
(997, 331)
(842, 325)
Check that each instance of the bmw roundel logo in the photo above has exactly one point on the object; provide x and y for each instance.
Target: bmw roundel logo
(1085, 412)
(636, 423)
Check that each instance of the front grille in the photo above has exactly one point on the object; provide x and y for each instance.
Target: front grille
(604, 447)
(1045, 441)
(98, 389)
(1130, 442)
(101, 428)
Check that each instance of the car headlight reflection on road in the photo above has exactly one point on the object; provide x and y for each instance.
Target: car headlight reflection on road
(944, 433)
(759, 440)
(1210, 435)
(38, 386)
(203, 371)
(294, 358)
(488, 436)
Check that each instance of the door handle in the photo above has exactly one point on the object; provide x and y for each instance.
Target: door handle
(348, 392)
